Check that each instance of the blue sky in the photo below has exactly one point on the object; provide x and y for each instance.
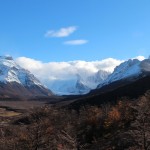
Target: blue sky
(65, 30)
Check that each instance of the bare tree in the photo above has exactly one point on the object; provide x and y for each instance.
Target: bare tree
(140, 128)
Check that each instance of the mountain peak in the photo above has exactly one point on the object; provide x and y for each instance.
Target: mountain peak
(128, 69)
(6, 57)
(12, 76)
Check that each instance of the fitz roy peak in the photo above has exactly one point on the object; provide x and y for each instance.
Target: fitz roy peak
(16, 82)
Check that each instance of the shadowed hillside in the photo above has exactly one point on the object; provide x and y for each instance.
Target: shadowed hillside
(131, 90)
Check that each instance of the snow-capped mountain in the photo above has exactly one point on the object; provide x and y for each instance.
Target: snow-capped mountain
(18, 82)
(80, 84)
(11, 72)
(131, 70)
(68, 87)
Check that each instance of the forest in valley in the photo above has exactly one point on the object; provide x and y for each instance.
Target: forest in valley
(124, 125)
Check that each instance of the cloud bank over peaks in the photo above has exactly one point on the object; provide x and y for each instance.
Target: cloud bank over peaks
(47, 72)
(50, 72)
(139, 58)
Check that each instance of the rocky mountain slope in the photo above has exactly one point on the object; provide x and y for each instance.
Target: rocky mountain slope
(128, 70)
(16, 82)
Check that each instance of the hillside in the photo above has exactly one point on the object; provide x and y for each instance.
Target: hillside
(112, 95)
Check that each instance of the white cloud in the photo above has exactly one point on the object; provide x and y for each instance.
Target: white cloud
(75, 42)
(139, 58)
(48, 72)
(63, 32)
(53, 72)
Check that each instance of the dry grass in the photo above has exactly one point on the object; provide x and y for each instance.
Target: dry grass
(7, 113)
(22, 105)
(16, 108)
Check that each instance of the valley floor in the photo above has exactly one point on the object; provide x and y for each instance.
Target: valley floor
(124, 125)
(12, 110)
(22, 105)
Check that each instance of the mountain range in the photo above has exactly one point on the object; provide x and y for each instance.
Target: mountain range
(129, 70)
(16, 82)
(131, 79)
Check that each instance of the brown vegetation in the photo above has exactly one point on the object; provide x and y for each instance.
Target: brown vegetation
(124, 125)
